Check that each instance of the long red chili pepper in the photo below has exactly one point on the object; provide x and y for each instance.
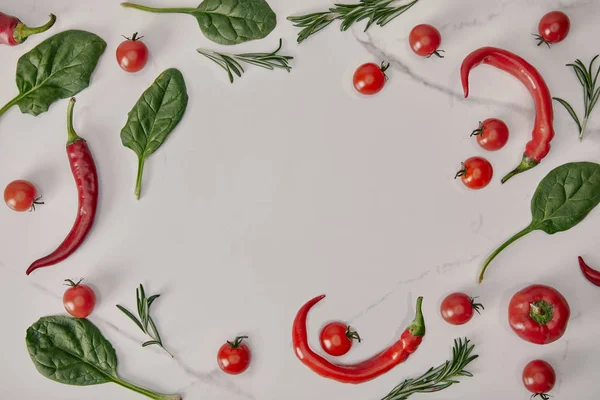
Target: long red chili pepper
(14, 32)
(86, 178)
(363, 371)
(543, 131)
(590, 274)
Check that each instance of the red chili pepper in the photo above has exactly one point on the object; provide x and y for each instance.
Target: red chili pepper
(86, 178)
(14, 32)
(363, 371)
(590, 274)
(543, 131)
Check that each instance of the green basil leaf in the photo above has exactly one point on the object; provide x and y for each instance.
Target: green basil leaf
(74, 352)
(226, 21)
(565, 197)
(71, 351)
(562, 200)
(154, 117)
(58, 68)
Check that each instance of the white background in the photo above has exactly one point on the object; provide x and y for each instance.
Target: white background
(284, 186)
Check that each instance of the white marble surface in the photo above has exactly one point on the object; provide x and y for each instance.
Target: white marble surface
(282, 187)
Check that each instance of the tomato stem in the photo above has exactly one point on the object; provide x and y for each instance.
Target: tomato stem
(479, 130)
(462, 171)
(502, 247)
(237, 341)
(72, 283)
(351, 334)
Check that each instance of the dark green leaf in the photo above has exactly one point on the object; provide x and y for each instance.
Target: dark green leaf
(570, 111)
(153, 326)
(226, 21)
(71, 351)
(58, 68)
(152, 298)
(131, 316)
(154, 117)
(149, 343)
(565, 197)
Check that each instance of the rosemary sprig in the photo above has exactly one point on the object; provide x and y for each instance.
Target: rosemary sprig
(231, 62)
(378, 12)
(588, 81)
(145, 323)
(439, 378)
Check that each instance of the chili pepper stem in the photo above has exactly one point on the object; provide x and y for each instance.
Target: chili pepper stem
(504, 245)
(138, 180)
(158, 10)
(146, 392)
(417, 328)
(23, 31)
(526, 164)
(72, 135)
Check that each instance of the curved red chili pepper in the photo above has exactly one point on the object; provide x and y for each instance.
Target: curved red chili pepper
(14, 32)
(86, 178)
(363, 371)
(590, 274)
(543, 131)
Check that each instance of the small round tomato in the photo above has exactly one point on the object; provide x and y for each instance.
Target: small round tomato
(553, 28)
(492, 134)
(539, 378)
(132, 54)
(21, 196)
(79, 300)
(370, 78)
(539, 314)
(337, 338)
(457, 308)
(234, 357)
(476, 173)
(425, 40)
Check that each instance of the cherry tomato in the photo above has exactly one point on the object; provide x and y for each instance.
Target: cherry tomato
(425, 40)
(539, 378)
(370, 78)
(492, 134)
(476, 173)
(337, 338)
(553, 28)
(457, 308)
(79, 300)
(21, 196)
(234, 357)
(132, 54)
(539, 314)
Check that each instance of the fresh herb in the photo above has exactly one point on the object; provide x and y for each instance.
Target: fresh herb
(439, 378)
(231, 62)
(562, 200)
(145, 323)
(378, 12)
(226, 21)
(58, 68)
(588, 79)
(74, 352)
(154, 116)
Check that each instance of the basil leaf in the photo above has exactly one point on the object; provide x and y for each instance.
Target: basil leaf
(58, 68)
(154, 116)
(74, 352)
(562, 200)
(226, 21)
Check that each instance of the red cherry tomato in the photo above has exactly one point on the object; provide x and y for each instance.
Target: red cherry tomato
(425, 40)
(492, 134)
(234, 357)
(539, 378)
(21, 196)
(553, 28)
(79, 300)
(132, 54)
(539, 314)
(457, 308)
(476, 173)
(337, 338)
(370, 78)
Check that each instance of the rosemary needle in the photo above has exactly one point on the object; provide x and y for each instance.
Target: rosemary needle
(231, 62)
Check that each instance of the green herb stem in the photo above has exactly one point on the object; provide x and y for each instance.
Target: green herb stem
(138, 180)
(502, 247)
(159, 10)
(146, 392)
